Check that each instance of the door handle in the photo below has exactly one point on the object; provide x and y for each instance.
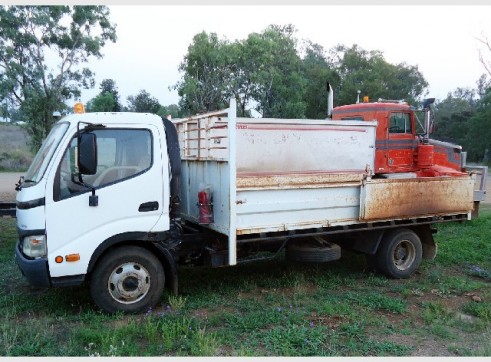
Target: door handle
(149, 206)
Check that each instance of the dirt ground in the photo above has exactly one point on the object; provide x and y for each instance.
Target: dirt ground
(7, 185)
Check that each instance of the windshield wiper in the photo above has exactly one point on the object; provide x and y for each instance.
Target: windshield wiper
(22, 181)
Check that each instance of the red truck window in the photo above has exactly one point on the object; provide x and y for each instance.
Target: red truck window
(400, 123)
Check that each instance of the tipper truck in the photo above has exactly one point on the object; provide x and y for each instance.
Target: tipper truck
(120, 200)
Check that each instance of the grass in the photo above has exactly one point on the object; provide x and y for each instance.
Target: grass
(271, 309)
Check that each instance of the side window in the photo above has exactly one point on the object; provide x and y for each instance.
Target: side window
(121, 154)
(400, 123)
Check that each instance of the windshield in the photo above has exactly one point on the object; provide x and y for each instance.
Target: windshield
(41, 161)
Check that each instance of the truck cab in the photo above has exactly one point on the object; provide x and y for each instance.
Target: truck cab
(401, 146)
(71, 211)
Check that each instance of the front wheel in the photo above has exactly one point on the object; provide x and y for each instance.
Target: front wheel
(400, 254)
(129, 279)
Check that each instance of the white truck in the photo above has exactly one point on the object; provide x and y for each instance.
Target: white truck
(119, 200)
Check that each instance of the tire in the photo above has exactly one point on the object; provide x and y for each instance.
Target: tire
(310, 253)
(129, 279)
(399, 254)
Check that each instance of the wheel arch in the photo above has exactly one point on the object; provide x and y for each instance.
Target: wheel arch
(368, 242)
(138, 239)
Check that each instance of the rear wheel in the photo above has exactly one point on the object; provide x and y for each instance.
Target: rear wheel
(129, 279)
(399, 254)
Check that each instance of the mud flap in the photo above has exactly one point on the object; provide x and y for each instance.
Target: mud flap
(425, 233)
(170, 269)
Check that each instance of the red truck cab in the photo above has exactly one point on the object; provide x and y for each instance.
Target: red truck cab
(399, 147)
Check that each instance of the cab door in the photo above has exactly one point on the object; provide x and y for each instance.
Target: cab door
(401, 142)
(128, 186)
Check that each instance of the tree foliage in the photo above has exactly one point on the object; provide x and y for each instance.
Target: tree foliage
(478, 143)
(452, 115)
(369, 73)
(269, 71)
(206, 74)
(102, 103)
(109, 86)
(143, 102)
(171, 110)
(280, 80)
(30, 37)
(317, 70)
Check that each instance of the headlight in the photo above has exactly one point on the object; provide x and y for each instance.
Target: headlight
(34, 246)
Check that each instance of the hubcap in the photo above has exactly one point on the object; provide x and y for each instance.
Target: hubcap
(404, 255)
(129, 283)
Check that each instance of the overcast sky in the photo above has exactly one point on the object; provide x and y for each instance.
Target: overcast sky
(153, 39)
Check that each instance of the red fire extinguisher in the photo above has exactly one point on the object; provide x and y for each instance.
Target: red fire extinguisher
(205, 207)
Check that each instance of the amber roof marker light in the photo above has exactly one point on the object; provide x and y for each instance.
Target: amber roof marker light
(79, 108)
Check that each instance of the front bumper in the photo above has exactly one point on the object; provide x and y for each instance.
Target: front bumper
(36, 271)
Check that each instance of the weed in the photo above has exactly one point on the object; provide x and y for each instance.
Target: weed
(187, 337)
(442, 331)
(483, 350)
(435, 311)
(480, 310)
(337, 308)
(177, 302)
(378, 301)
(9, 338)
(295, 340)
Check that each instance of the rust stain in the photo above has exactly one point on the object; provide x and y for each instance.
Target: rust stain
(405, 198)
(286, 181)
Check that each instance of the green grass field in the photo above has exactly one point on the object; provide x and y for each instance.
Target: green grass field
(271, 308)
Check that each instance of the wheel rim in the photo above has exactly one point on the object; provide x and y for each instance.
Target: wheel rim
(129, 283)
(404, 255)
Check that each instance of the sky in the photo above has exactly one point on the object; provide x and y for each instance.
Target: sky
(153, 39)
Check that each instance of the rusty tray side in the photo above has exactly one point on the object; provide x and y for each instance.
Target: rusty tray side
(407, 198)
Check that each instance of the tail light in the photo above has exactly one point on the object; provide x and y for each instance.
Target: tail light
(205, 206)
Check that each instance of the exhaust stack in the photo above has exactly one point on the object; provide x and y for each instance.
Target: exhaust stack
(427, 109)
(330, 100)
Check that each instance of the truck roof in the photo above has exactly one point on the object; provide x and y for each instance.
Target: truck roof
(113, 118)
(372, 107)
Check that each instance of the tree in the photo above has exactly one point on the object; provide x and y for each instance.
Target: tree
(109, 86)
(317, 71)
(452, 116)
(478, 138)
(206, 73)
(172, 110)
(278, 78)
(31, 34)
(263, 70)
(143, 102)
(102, 103)
(368, 72)
(485, 61)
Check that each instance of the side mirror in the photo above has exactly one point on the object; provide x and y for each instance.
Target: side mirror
(87, 154)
